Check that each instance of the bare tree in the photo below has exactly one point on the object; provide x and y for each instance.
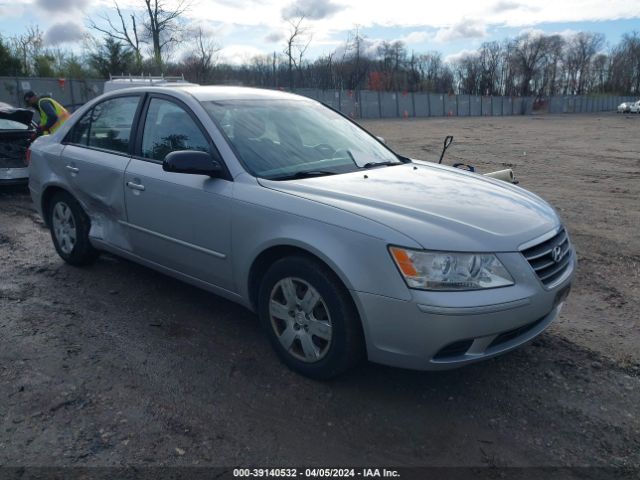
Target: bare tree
(200, 63)
(581, 49)
(529, 53)
(162, 26)
(126, 30)
(28, 48)
(297, 43)
(155, 25)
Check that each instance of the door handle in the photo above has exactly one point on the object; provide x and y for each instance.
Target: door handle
(135, 186)
(73, 169)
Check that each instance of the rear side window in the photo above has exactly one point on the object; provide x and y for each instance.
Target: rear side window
(111, 124)
(79, 134)
(169, 128)
(107, 126)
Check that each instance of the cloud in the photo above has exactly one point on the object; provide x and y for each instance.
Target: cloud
(455, 57)
(11, 10)
(311, 9)
(239, 54)
(274, 37)
(64, 32)
(207, 29)
(463, 29)
(505, 6)
(62, 6)
(415, 37)
(240, 3)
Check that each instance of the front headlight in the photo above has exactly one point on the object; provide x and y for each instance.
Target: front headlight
(450, 271)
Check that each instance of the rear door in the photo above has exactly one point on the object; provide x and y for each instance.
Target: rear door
(180, 221)
(97, 151)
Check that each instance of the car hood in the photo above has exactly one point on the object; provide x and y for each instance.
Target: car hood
(441, 208)
(20, 115)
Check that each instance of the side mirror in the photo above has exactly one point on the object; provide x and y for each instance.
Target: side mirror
(381, 139)
(192, 161)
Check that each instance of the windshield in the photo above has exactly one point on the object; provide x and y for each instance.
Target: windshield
(284, 139)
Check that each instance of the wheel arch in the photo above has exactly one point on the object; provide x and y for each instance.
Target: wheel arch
(45, 200)
(273, 253)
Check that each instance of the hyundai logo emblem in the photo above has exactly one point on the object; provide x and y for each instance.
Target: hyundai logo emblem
(556, 253)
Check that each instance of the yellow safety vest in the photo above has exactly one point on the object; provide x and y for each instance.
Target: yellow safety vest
(61, 112)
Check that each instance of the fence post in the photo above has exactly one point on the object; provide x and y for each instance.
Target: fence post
(18, 92)
(413, 103)
(379, 105)
(397, 95)
(73, 102)
(428, 104)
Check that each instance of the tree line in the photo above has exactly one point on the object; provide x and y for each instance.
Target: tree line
(158, 40)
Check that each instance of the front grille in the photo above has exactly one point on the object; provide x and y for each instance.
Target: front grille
(541, 257)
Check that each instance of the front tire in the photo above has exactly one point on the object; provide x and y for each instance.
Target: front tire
(70, 230)
(310, 318)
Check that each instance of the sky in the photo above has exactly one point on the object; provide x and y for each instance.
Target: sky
(244, 28)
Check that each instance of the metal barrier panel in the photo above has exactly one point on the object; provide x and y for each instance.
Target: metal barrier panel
(436, 105)
(496, 106)
(507, 106)
(528, 105)
(421, 104)
(369, 104)
(517, 106)
(450, 105)
(348, 104)
(388, 104)
(363, 104)
(475, 105)
(309, 92)
(69, 92)
(464, 105)
(405, 104)
(485, 106)
(9, 91)
(330, 97)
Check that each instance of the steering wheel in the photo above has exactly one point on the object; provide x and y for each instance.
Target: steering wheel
(325, 149)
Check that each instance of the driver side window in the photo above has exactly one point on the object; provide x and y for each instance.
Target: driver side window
(169, 128)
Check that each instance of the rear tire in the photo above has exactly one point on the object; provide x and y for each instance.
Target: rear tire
(310, 318)
(70, 227)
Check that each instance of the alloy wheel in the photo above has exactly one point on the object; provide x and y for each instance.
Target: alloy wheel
(64, 227)
(301, 320)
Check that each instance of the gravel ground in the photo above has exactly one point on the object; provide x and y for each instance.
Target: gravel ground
(115, 364)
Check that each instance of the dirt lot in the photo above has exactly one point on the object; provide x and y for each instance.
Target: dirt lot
(116, 364)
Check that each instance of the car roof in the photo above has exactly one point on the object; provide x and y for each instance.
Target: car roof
(215, 92)
(208, 93)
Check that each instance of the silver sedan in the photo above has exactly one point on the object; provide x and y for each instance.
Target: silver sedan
(343, 248)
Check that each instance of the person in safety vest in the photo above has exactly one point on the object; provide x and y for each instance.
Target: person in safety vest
(52, 114)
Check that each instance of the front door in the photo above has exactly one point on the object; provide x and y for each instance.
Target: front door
(180, 221)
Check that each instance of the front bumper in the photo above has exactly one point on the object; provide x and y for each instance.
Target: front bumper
(441, 330)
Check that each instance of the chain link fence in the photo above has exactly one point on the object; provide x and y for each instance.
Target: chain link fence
(364, 104)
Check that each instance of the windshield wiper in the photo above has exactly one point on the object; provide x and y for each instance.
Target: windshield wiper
(305, 174)
(377, 164)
